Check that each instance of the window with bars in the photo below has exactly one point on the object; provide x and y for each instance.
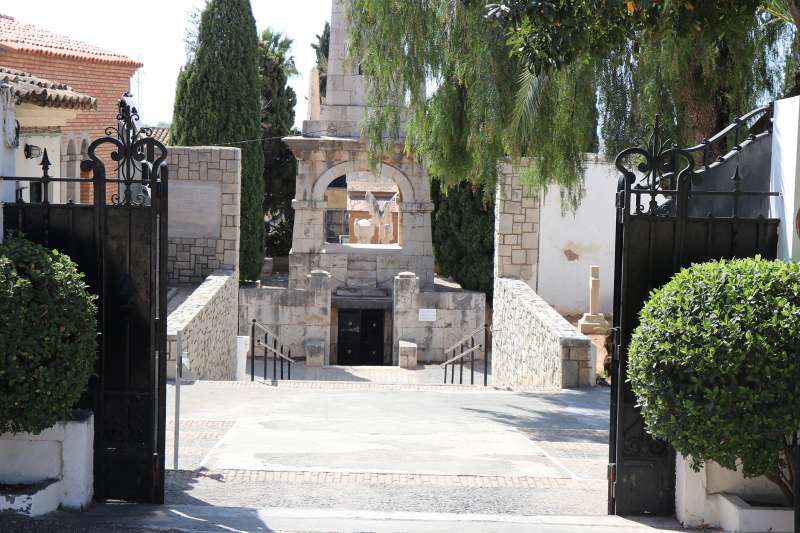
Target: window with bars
(337, 225)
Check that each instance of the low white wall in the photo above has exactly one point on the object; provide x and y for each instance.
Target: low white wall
(63, 452)
(570, 243)
(533, 346)
(713, 497)
(208, 323)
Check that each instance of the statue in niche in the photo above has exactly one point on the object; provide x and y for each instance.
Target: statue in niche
(381, 213)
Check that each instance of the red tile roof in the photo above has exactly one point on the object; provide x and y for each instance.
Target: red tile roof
(27, 88)
(15, 35)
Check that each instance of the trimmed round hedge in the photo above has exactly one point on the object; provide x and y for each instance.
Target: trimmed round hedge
(47, 336)
(715, 362)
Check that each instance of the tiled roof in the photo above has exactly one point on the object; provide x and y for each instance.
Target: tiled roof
(159, 134)
(15, 35)
(46, 93)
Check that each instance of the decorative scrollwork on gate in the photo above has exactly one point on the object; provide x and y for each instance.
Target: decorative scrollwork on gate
(662, 169)
(138, 157)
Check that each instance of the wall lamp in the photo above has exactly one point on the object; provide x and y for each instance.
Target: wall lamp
(31, 151)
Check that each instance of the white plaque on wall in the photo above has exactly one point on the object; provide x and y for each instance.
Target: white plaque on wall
(195, 209)
(427, 315)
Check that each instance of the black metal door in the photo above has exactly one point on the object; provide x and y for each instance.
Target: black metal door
(670, 214)
(121, 246)
(360, 337)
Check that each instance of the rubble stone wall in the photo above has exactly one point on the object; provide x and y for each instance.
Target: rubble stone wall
(533, 346)
(207, 322)
(203, 222)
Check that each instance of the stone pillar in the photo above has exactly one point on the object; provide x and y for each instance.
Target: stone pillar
(516, 233)
(406, 292)
(318, 313)
(416, 238)
(594, 322)
(408, 355)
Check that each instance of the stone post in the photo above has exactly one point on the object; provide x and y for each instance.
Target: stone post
(594, 322)
(406, 290)
(318, 312)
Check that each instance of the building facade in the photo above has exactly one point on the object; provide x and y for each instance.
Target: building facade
(85, 68)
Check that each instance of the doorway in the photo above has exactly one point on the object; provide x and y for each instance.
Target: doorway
(360, 339)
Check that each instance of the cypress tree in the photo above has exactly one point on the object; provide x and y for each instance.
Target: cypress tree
(463, 226)
(277, 120)
(218, 101)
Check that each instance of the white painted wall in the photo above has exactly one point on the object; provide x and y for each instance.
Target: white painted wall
(33, 167)
(784, 174)
(570, 244)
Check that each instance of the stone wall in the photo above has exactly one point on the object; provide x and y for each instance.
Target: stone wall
(516, 245)
(203, 221)
(294, 315)
(208, 323)
(533, 346)
(458, 313)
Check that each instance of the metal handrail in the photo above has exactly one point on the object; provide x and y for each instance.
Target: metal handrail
(465, 339)
(456, 358)
(467, 348)
(278, 353)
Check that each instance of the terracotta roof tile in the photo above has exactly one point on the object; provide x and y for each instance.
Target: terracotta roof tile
(42, 92)
(16, 35)
(159, 134)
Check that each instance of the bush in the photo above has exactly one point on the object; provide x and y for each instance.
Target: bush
(47, 336)
(715, 363)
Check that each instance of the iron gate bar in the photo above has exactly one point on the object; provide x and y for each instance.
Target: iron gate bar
(127, 393)
(656, 236)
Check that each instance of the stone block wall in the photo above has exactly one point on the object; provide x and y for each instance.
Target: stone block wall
(458, 313)
(294, 315)
(208, 323)
(533, 346)
(516, 245)
(203, 222)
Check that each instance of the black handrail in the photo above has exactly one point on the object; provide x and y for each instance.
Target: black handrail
(276, 350)
(458, 354)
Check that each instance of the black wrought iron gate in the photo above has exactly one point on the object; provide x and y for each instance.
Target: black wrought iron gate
(671, 212)
(120, 243)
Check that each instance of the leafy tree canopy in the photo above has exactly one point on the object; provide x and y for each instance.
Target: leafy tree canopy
(540, 78)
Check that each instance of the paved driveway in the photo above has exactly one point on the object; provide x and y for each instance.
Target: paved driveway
(398, 448)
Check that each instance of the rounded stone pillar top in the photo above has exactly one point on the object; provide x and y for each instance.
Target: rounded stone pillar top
(406, 275)
(320, 274)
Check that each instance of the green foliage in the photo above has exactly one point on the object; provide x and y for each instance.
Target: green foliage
(218, 102)
(714, 363)
(522, 78)
(463, 235)
(322, 48)
(47, 336)
(277, 120)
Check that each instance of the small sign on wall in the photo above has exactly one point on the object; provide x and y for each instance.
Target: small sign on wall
(427, 315)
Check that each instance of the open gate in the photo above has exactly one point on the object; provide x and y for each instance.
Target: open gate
(120, 243)
(674, 210)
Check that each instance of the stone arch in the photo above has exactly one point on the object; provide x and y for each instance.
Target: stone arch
(387, 171)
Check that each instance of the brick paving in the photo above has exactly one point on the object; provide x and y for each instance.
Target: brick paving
(381, 478)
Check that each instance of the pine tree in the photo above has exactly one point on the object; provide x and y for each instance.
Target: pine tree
(218, 101)
(277, 119)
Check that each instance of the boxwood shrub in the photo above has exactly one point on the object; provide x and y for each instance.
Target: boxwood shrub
(47, 336)
(715, 364)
